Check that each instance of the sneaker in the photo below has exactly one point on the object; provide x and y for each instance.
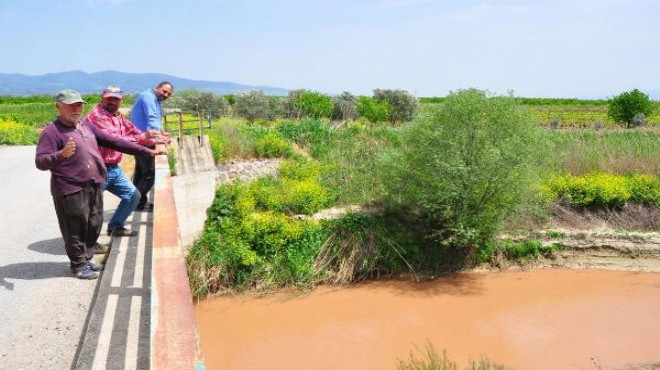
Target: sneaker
(121, 231)
(101, 248)
(86, 273)
(148, 207)
(95, 266)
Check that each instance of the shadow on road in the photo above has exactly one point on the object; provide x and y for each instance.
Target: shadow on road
(50, 246)
(32, 271)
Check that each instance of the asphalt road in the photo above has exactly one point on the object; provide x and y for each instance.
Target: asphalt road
(43, 307)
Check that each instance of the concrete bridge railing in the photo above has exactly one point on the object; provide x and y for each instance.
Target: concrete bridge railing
(174, 338)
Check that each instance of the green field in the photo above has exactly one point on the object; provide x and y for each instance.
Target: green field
(251, 240)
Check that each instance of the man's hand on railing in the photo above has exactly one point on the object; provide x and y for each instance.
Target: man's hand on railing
(155, 152)
(158, 137)
(166, 137)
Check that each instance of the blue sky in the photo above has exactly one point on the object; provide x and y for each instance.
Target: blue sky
(553, 48)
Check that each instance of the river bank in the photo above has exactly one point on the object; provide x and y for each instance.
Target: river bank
(601, 248)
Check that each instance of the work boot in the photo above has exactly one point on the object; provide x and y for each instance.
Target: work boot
(148, 207)
(121, 231)
(95, 266)
(101, 248)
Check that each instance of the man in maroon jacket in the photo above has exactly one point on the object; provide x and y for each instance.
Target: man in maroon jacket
(69, 150)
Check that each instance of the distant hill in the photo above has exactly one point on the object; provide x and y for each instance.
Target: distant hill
(90, 83)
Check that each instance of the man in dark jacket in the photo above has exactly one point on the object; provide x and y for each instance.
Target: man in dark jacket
(69, 150)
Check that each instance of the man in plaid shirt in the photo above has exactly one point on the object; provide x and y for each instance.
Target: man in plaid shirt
(106, 116)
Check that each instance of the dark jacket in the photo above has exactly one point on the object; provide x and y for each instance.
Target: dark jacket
(86, 166)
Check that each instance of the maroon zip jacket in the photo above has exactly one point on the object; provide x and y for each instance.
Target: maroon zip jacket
(86, 165)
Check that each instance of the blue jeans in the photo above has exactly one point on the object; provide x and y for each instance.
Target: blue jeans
(119, 185)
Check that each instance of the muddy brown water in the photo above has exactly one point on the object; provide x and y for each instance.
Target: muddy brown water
(536, 319)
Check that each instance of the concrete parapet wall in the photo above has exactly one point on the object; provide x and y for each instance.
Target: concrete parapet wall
(178, 218)
(174, 338)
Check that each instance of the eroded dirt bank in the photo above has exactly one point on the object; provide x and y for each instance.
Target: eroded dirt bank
(600, 248)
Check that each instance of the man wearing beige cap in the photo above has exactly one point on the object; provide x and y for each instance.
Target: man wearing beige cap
(107, 118)
(69, 150)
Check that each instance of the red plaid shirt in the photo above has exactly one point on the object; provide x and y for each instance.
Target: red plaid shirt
(115, 124)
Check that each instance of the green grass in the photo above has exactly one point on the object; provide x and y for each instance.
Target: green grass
(564, 113)
(430, 359)
(555, 234)
(29, 114)
(171, 159)
(580, 117)
(611, 151)
(265, 247)
(12, 133)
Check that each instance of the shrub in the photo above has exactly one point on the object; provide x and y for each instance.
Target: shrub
(230, 140)
(231, 201)
(601, 190)
(231, 99)
(244, 246)
(192, 100)
(310, 134)
(467, 165)
(519, 250)
(310, 104)
(300, 169)
(644, 189)
(373, 110)
(269, 194)
(352, 158)
(268, 233)
(403, 105)
(638, 120)
(592, 191)
(345, 107)
(217, 144)
(271, 145)
(297, 190)
(13, 133)
(628, 105)
(361, 246)
(485, 252)
(306, 197)
(255, 105)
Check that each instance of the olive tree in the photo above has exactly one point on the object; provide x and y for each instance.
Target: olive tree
(403, 105)
(345, 107)
(255, 105)
(192, 100)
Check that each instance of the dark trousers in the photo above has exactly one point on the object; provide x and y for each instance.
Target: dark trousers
(80, 217)
(144, 176)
